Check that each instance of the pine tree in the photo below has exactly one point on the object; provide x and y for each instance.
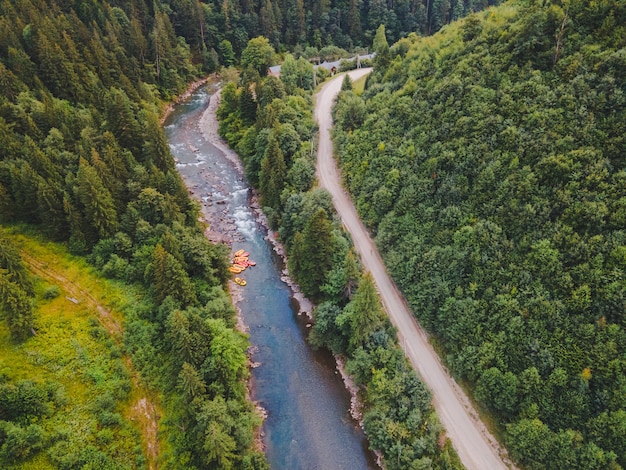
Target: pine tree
(364, 314)
(354, 20)
(97, 201)
(7, 210)
(24, 186)
(50, 204)
(114, 185)
(227, 55)
(190, 382)
(16, 307)
(170, 278)
(267, 19)
(121, 121)
(346, 84)
(12, 263)
(155, 149)
(219, 446)
(159, 268)
(381, 47)
(273, 175)
(247, 106)
(318, 246)
(296, 258)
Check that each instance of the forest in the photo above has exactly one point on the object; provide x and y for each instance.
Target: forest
(488, 160)
(84, 163)
(218, 31)
(269, 121)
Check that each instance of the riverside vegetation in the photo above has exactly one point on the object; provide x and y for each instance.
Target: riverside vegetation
(488, 160)
(269, 121)
(83, 162)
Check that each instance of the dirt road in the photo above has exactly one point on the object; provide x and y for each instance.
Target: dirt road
(476, 447)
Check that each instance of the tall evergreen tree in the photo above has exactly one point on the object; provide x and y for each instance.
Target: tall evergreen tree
(363, 315)
(12, 263)
(16, 307)
(96, 199)
(318, 244)
(273, 174)
(381, 47)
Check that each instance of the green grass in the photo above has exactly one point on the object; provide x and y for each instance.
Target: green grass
(359, 85)
(75, 351)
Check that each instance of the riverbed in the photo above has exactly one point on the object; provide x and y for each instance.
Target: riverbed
(308, 424)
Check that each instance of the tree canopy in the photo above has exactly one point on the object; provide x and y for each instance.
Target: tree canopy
(489, 165)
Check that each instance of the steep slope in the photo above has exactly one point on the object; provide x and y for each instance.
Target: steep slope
(477, 449)
(488, 162)
(83, 160)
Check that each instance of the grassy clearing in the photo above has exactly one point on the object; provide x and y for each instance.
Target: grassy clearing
(77, 353)
(359, 85)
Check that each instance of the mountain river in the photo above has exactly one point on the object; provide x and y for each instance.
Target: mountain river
(308, 423)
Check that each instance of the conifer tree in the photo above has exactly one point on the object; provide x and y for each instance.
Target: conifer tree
(219, 446)
(190, 381)
(273, 174)
(16, 307)
(159, 268)
(170, 278)
(155, 148)
(247, 106)
(227, 55)
(24, 186)
(12, 263)
(346, 84)
(6, 205)
(381, 47)
(50, 209)
(317, 241)
(363, 315)
(96, 199)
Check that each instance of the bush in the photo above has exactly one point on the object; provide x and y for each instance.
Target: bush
(51, 292)
(19, 443)
(106, 418)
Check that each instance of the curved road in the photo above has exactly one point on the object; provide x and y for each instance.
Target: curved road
(476, 447)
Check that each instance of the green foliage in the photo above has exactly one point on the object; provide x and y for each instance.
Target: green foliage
(258, 55)
(16, 307)
(84, 159)
(381, 47)
(487, 166)
(278, 157)
(363, 315)
(346, 84)
(272, 175)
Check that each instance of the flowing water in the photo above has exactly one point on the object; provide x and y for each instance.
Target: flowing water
(308, 424)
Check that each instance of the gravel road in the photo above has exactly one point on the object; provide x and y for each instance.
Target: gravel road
(476, 447)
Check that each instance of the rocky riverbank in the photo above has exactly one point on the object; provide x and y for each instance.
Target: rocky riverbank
(209, 127)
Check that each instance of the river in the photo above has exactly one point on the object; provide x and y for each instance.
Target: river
(308, 424)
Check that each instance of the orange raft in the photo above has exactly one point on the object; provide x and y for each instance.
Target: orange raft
(240, 262)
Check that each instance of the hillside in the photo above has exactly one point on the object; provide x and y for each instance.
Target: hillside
(488, 161)
(84, 162)
(70, 396)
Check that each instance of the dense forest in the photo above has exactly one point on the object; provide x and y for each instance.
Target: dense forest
(297, 25)
(488, 160)
(83, 159)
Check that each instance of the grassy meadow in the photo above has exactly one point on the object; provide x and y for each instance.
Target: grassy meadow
(90, 400)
